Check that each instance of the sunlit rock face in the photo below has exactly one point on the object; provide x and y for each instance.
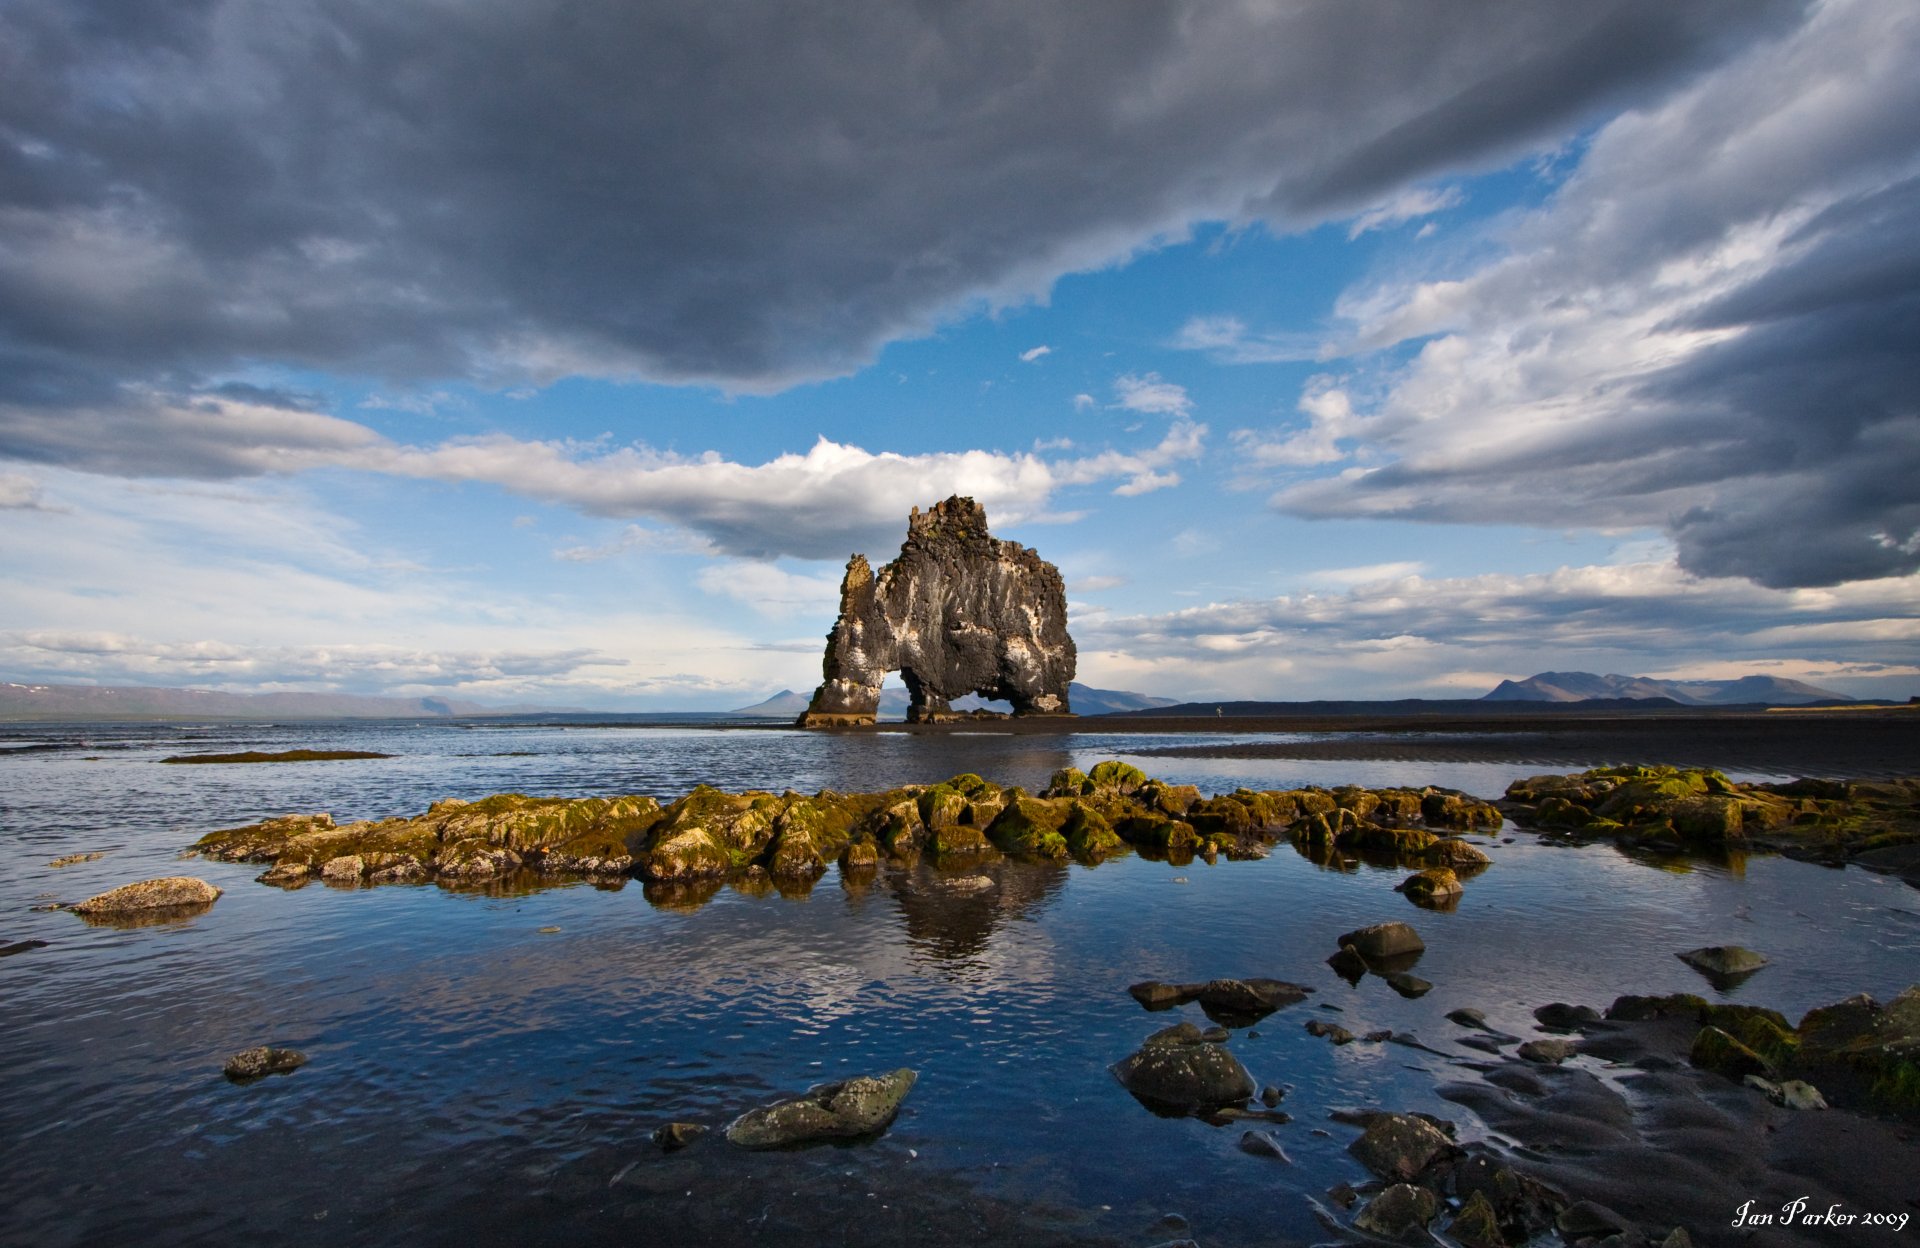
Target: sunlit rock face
(958, 612)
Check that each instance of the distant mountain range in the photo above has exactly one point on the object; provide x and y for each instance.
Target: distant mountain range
(893, 703)
(1580, 686)
(104, 702)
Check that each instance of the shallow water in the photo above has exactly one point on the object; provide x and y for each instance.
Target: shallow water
(473, 1078)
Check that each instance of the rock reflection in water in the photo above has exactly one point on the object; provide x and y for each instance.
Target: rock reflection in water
(951, 918)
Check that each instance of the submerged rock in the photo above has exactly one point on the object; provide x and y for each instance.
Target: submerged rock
(171, 893)
(958, 611)
(1408, 985)
(1235, 1002)
(1330, 1031)
(250, 1064)
(674, 1136)
(1547, 1052)
(1178, 1069)
(1262, 1144)
(1723, 965)
(856, 1107)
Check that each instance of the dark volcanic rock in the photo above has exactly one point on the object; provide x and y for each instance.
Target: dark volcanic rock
(1399, 1211)
(1384, 940)
(1725, 966)
(958, 612)
(1176, 1068)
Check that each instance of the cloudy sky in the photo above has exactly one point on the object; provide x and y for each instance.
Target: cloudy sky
(562, 350)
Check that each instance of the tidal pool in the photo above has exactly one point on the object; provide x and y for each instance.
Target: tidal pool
(475, 1078)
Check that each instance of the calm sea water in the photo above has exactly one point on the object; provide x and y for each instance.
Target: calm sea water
(476, 1080)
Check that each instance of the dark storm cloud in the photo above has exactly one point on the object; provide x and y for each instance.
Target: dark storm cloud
(1711, 329)
(746, 194)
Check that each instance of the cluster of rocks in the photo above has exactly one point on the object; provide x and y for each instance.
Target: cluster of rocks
(1425, 1180)
(1876, 824)
(711, 835)
(957, 612)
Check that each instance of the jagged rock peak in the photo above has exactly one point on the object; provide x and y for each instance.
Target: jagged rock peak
(957, 612)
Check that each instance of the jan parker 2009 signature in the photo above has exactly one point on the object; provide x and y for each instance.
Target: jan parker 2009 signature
(1802, 1213)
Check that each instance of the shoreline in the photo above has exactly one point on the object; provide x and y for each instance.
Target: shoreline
(1864, 744)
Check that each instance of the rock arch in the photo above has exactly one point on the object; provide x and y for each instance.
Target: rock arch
(958, 611)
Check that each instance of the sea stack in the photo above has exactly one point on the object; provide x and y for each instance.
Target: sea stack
(958, 612)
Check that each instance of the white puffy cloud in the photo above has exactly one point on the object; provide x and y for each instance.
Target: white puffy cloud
(831, 500)
(1147, 392)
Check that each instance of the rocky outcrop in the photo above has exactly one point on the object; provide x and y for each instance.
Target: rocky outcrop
(1667, 809)
(787, 841)
(958, 612)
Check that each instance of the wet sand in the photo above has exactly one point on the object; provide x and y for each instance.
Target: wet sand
(1861, 744)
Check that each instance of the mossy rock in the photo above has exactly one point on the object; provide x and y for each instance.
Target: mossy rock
(1067, 782)
(1764, 1032)
(1221, 815)
(1400, 842)
(691, 854)
(1648, 796)
(1031, 826)
(1898, 1085)
(1322, 827)
(1362, 802)
(1555, 811)
(385, 836)
(899, 827)
(1711, 819)
(961, 841)
(861, 854)
(1115, 776)
(1445, 808)
(1172, 800)
(1633, 1009)
(943, 805)
(1451, 851)
(1431, 886)
(1309, 801)
(1089, 835)
(1266, 811)
(260, 842)
(1157, 832)
(973, 787)
(475, 859)
(1402, 804)
(741, 825)
(1719, 1051)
